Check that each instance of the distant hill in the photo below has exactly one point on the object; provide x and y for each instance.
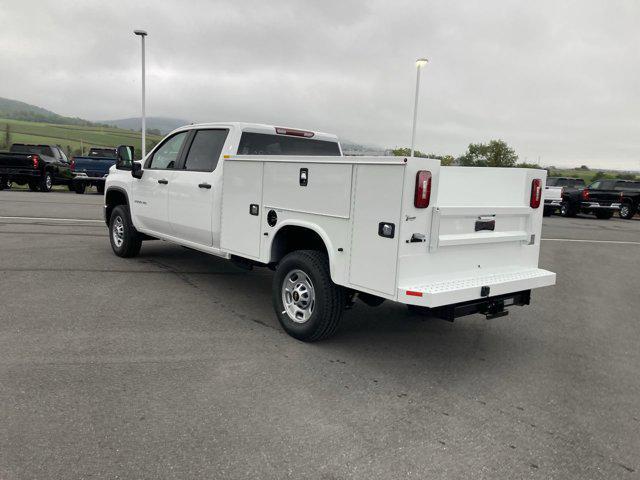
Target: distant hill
(163, 124)
(16, 110)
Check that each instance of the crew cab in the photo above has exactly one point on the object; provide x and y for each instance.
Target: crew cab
(335, 228)
(599, 198)
(92, 170)
(39, 166)
(555, 188)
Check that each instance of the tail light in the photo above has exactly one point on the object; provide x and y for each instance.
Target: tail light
(295, 133)
(536, 193)
(562, 192)
(423, 189)
(35, 159)
(585, 194)
(72, 165)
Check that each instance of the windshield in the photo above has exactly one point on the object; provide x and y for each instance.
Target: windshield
(565, 182)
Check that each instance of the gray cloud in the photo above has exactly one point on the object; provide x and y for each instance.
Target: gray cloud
(557, 80)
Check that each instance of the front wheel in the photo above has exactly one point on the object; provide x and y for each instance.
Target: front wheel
(100, 188)
(604, 214)
(125, 240)
(309, 306)
(627, 211)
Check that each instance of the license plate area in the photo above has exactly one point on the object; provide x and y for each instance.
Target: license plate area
(485, 225)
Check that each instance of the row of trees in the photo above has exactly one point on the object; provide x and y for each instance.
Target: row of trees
(496, 153)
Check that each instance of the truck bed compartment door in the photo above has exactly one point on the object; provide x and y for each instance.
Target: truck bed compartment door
(241, 195)
(376, 219)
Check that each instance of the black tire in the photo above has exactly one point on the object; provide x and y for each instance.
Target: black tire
(568, 210)
(328, 298)
(129, 236)
(627, 211)
(100, 188)
(603, 214)
(70, 187)
(34, 186)
(79, 188)
(46, 182)
(5, 183)
(547, 212)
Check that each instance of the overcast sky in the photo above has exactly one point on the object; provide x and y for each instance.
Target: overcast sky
(558, 80)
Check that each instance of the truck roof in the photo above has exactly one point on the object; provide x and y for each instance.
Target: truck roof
(258, 128)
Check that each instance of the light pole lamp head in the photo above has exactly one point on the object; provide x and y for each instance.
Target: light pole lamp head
(142, 33)
(421, 62)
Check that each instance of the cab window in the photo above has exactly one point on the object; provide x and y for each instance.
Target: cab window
(166, 156)
(205, 150)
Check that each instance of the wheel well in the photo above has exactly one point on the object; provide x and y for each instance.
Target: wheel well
(114, 198)
(291, 238)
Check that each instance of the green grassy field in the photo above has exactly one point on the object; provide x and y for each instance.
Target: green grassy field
(71, 135)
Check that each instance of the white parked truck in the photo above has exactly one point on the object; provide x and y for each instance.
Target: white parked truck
(448, 241)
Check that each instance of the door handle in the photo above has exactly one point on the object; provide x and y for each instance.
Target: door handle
(204, 185)
(163, 181)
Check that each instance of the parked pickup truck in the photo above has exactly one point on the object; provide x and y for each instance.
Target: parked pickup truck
(599, 199)
(629, 197)
(39, 166)
(93, 169)
(555, 188)
(335, 228)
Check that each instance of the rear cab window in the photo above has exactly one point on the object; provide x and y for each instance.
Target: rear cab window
(272, 144)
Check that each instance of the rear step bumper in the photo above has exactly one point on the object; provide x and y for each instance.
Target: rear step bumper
(475, 288)
(492, 307)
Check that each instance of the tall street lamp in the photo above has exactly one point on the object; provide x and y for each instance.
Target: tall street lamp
(142, 34)
(421, 62)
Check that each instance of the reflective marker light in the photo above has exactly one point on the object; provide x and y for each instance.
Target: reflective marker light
(536, 193)
(423, 189)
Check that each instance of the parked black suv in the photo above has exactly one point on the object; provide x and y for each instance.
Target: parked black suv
(41, 166)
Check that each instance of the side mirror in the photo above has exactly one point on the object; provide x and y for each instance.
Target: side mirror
(136, 170)
(124, 156)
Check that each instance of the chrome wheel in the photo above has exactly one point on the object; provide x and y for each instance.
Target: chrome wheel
(117, 231)
(624, 211)
(298, 296)
(48, 182)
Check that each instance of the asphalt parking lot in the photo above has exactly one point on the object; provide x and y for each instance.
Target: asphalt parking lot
(172, 365)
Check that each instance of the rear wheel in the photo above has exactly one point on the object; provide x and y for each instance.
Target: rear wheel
(603, 214)
(627, 211)
(5, 183)
(33, 186)
(125, 240)
(309, 306)
(79, 187)
(568, 210)
(46, 183)
(70, 187)
(547, 212)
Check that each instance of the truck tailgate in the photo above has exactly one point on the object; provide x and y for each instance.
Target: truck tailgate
(480, 232)
(16, 160)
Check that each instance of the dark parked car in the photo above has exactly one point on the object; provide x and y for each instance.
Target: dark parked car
(555, 188)
(93, 169)
(39, 166)
(630, 197)
(600, 199)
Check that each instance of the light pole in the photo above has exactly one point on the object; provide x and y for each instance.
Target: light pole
(142, 34)
(421, 62)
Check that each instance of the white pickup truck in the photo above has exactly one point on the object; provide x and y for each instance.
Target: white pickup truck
(449, 241)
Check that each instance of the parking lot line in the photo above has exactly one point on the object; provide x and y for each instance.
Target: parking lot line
(589, 241)
(52, 218)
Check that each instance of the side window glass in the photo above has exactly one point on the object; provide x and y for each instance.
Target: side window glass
(205, 150)
(595, 185)
(166, 156)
